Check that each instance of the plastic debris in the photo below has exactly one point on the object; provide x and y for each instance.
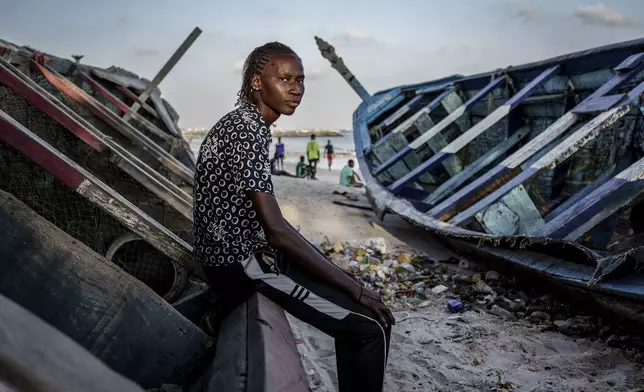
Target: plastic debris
(455, 306)
(439, 289)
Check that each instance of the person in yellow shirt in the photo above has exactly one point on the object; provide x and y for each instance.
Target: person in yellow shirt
(313, 155)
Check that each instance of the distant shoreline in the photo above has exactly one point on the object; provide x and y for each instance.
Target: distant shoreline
(274, 133)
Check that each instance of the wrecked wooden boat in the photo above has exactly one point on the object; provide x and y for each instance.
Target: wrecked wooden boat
(537, 167)
(96, 200)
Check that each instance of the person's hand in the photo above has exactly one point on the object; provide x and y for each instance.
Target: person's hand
(373, 301)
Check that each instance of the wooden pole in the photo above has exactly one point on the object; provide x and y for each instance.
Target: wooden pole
(167, 67)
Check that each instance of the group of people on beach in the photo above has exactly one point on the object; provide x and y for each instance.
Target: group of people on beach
(246, 245)
(348, 177)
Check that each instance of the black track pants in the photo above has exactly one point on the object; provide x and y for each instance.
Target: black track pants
(361, 343)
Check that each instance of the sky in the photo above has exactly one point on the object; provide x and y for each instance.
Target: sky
(385, 43)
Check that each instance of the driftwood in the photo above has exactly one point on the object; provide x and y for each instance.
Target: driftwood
(91, 300)
(34, 357)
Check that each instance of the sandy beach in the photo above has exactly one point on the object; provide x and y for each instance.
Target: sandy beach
(431, 349)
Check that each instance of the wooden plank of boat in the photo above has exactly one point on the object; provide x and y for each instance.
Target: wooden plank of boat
(384, 151)
(94, 302)
(405, 125)
(127, 82)
(471, 170)
(43, 100)
(442, 125)
(133, 134)
(383, 104)
(86, 184)
(511, 166)
(129, 94)
(577, 197)
(562, 151)
(493, 118)
(452, 165)
(612, 196)
(34, 356)
(102, 91)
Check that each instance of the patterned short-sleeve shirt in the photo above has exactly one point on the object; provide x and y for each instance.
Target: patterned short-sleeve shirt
(233, 159)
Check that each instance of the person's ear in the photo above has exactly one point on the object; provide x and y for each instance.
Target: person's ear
(255, 83)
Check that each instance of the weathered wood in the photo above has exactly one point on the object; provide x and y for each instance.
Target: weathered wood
(183, 206)
(86, 184)
(50, 105)
(514, 214)
(133, 134)
(260, 357)
(465, 138)
(452, 165)
(400, 112)
(442, 125)
(164, 71)
(328, 52)
(471, 170)
(577, 197)
(105, 93)
(94, 302)
(405, 125)
(128, 93)
(561, 152)
(510, 167)
(606, 200)
(35, 357)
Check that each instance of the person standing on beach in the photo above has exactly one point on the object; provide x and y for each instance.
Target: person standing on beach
(246, 245)
(328, 151)
(313, 155)
(279, 151)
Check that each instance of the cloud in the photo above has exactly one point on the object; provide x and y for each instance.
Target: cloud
(354, 37)
(601, 15)
(312, 73)
(145, 52)
(526, 11)
(315, 73)
(238, 67)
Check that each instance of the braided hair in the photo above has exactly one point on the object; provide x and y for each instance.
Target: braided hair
(254, 65)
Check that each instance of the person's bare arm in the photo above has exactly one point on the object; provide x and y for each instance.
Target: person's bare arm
(283, 237)
(280, 236)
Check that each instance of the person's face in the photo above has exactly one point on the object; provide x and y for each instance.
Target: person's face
(351, 164)
(281, 84)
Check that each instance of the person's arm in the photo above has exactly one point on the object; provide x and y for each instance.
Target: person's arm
(283, 237)
(357, 176)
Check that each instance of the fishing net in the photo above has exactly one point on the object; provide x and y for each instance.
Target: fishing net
(68, 210)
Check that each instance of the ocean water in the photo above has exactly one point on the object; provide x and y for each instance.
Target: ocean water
(294, 147)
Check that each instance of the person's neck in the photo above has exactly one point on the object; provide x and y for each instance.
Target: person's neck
(268, 114)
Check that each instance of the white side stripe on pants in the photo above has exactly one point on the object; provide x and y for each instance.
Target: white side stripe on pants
(288, 286)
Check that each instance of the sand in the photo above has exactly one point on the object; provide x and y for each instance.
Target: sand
(431, 349)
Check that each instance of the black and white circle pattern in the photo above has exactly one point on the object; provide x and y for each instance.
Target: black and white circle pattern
(233, 159)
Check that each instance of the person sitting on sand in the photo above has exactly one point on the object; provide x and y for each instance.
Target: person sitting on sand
(245, 245)
(301, 171)
(348, 176)
(313, 155)
(275, 171)
(328, 151)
